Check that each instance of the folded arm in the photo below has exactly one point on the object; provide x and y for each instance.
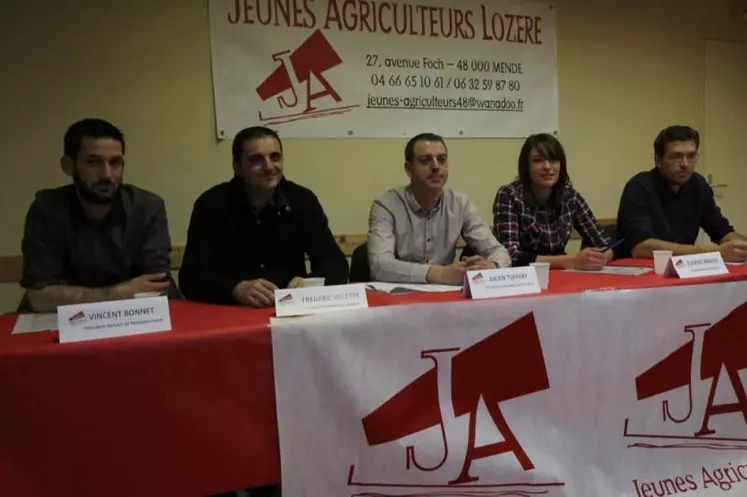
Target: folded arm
(645, 249)
(588, 227)
(635, 224)
(47, 299)
(733, 237)
(713, 223)
(44, 250)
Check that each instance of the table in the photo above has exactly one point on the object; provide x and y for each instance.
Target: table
(185, 413)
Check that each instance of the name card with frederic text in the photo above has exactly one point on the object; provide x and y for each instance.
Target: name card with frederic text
(318, 300)
(113, 319)
(485, 284)
(696, 266)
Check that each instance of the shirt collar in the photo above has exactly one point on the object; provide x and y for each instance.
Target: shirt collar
(121, 207)
(278, 201)
(528, 197)
(416, 207)
(665, 190)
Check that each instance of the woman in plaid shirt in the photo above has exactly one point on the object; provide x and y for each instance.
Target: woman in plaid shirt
(533, 217)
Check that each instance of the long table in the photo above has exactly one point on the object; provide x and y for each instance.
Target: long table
(186, 413)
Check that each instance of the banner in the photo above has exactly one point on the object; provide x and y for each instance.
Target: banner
(636, 394)
(372, 68)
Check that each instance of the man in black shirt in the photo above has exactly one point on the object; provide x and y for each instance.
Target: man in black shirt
(249, 236)
(665, 208)
(97, 239)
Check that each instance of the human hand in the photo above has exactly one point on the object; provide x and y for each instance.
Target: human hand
(255, 293)
(609, 255)
(146, 283)
(590, 259)
(477, 262)
(450, 274)
(734, 251)
(297, 282)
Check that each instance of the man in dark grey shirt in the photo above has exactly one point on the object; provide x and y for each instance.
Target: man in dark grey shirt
(97, 239)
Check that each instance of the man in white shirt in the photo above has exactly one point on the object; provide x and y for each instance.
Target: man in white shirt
(413, 230)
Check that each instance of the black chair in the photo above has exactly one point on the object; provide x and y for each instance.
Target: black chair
(360, 272)
(467, 251)
(24, 306)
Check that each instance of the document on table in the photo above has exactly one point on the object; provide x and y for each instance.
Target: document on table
(31, 323)
(616, 270)
(399, 288)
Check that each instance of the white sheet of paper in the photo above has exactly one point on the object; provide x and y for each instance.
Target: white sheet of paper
(616, 270)
(395, 288)
(31, 323)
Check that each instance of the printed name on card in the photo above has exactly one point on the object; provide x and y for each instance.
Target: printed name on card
(696, 266)
(113, 319)
(319, 300)
(484, 284)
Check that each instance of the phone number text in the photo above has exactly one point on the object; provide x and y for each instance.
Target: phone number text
(445, 82)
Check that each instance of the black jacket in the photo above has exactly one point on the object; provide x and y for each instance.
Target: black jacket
(229, 242)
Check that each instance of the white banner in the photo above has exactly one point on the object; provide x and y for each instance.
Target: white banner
(638, 393)
(371, 68)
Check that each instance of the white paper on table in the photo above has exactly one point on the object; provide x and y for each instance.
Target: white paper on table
(398, 288)
(31, 323)
(616, 270)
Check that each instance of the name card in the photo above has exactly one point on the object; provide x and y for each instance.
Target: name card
(484, 284)
(113, 319)
(696, 266)
(319, 300)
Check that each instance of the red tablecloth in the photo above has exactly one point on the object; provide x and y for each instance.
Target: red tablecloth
(185, 413)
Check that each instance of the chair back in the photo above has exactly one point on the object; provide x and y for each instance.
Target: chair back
(360, 272)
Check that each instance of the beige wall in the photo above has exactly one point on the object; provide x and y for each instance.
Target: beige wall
(626, 69)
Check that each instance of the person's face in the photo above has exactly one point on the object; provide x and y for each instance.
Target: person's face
(98, 169)
(261, 163)
(543, 172)
(430, 165)
(678, 163)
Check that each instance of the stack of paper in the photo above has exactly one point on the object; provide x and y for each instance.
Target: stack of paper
(616, 270)
(399, 288)
(30, 323)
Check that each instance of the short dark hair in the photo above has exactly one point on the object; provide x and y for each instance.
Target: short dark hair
(422, 137)
(92, 128)
(674, 134)
(251, 133)
(550, 148)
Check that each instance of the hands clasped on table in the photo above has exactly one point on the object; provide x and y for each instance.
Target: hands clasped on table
(734, 251)
(260, 292)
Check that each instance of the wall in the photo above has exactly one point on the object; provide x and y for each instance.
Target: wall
(626, 69)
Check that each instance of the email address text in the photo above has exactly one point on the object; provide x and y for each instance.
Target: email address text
(436, 102)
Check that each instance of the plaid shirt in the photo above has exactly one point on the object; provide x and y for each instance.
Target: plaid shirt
(528, 231)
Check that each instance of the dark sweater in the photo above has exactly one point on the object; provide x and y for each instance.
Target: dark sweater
(229, 242)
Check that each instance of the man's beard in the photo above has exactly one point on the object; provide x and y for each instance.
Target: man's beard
(90, 195)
